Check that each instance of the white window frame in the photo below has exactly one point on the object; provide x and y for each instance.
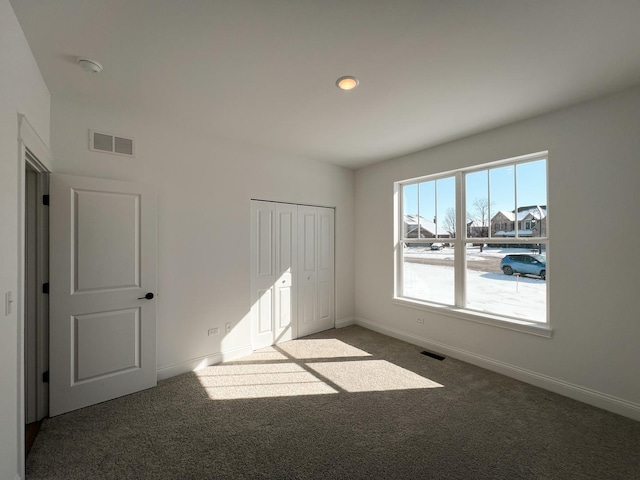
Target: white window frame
(460, 241)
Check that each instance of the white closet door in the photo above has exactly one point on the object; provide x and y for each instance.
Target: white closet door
(263, 274)
(308, 268)
(273, 272)
(325, 275)
(316, 267)
(286, 266)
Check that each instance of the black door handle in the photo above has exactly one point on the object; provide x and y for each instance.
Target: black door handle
(148, 296)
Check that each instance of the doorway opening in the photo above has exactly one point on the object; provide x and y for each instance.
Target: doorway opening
(36, 306)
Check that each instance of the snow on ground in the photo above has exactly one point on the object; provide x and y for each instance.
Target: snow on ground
(491, 292)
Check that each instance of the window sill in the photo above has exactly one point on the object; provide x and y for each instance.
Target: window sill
(532, 328)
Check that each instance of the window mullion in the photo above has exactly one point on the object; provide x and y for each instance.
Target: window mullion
(515, 200)
(419, 223)
(399, 239)
(488, 204)
(460, 258)
(435, 208)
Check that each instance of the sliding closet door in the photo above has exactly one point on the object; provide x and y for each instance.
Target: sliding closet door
(273, 270)
(316, 267)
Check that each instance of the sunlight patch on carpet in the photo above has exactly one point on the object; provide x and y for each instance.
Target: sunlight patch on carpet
(307, 367)
(320, 348)
(371, 376)
(230, 382)
(264, 354)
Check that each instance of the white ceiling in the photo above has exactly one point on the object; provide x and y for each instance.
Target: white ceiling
(263, 71)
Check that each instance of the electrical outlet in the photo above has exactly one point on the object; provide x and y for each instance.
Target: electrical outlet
(213, 331)
(420, 320)
(228, 327)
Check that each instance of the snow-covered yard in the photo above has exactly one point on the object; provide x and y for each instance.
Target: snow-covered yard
(427, 276)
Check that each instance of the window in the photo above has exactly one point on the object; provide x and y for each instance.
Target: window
(474, 242)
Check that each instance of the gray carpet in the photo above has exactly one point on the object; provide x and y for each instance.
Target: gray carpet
(343, 404)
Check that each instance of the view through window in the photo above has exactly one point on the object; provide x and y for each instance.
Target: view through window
(477, 239)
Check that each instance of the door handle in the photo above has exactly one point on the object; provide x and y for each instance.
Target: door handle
(148, 296)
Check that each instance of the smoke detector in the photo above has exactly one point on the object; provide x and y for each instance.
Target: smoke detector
(90, 65)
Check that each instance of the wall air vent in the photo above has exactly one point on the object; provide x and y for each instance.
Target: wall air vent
(108, 143)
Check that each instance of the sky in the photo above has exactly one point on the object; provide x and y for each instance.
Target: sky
(497, 184)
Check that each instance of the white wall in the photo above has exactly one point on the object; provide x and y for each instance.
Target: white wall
(594, 196)
(204, 191)
(22, 90)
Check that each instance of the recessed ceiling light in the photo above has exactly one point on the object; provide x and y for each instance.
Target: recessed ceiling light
(347, 82)
(90, 65)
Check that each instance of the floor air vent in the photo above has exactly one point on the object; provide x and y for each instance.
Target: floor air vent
(433, 355)
(108, 143)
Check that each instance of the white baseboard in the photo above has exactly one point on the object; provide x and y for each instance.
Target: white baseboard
(204, 361)
(576, 392)
(345, 322)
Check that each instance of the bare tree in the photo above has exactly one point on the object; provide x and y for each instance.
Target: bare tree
(450, 221)
(480, 215)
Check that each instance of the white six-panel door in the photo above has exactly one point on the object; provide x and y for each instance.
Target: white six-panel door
(102, 260)
(286, 244)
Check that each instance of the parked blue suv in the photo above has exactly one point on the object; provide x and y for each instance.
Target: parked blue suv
(524, 264)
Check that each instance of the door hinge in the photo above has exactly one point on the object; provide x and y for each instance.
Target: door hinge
(45, 377)
(45, 287)
(45, 200)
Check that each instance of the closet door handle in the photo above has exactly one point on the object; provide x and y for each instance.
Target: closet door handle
(148, 296)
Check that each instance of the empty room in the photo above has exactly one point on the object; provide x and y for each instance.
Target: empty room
(319, 239)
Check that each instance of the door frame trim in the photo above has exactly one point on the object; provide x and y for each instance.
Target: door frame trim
(34, 152)
(291, 203)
